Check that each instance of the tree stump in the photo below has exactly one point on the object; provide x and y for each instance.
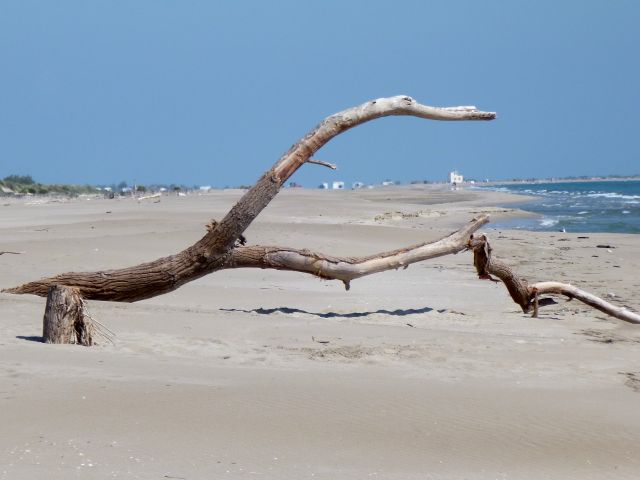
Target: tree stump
(65, 320)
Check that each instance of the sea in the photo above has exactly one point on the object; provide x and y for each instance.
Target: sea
(589, 206)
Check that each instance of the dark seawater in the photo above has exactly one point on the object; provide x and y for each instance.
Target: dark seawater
(612, 207)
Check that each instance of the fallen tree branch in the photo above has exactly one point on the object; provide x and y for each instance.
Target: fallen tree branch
(306, 261)
(526, 295)
(350, 268)
(258, 197)
(214, 250)
(486, 266)
(557, 288)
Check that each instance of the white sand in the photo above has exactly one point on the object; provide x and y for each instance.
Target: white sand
(422, 373)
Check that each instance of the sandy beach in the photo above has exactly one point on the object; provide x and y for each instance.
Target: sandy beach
(424, 373)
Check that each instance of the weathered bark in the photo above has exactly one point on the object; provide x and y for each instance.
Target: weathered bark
(350, 268)
(214, 250)
(64, 319)
(306, 261)
(527, 295)
(486, 266)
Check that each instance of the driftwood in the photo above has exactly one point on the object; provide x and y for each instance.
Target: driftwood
(321, 265)
(213, 251)
(223, 246)
(147, 197)
(350, 268)
(527, 295)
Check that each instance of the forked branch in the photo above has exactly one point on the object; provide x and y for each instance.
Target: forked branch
(213, 251)
(222, 247)
(324, 266)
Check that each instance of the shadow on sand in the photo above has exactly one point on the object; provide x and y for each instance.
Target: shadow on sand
(288, 310)
(31, 338)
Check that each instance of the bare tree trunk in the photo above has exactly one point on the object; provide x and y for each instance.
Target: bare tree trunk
(64, 318)
(214, 250)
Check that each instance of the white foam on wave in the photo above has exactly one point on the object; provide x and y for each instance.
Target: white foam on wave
(583, 212)
(548, 222)
(613, 195)
(495, 189)
(625, 212)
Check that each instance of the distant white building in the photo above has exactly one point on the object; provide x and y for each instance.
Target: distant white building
(324, 186)
(338, 185)
(356, 185)
(455, 177)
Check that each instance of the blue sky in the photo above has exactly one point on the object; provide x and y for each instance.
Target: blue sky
(205, 92)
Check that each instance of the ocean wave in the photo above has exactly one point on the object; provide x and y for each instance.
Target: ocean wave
(548, 222)
(613, 195)
(495, 189)
(583, 207)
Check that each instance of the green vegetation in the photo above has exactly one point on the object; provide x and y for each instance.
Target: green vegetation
(25, 184)
(23, 179)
